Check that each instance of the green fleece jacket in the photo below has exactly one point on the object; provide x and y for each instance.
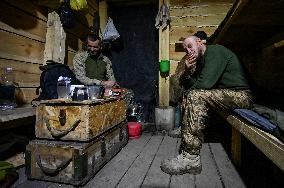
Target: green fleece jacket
(220, 69)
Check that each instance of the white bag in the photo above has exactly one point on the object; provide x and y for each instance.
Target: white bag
(110, 32)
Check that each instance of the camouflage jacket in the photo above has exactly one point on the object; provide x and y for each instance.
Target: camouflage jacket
(79, 68)
(176, 87)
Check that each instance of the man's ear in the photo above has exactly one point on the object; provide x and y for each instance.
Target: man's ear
(85, 45)
(198, 40)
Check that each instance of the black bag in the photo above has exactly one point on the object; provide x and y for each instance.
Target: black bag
(66, 15)
(48, 79)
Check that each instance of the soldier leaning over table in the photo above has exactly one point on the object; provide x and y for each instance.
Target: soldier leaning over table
(92, 67)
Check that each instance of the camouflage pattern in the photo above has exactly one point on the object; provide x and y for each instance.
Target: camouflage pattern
(197, 105)
(176, 89)
(79, 68)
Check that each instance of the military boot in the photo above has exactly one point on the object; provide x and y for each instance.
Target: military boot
(183, 163)
(175, 133)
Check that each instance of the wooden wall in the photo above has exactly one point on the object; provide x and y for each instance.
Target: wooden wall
(191, 16)
(22, 40)
(75, 36)
(271, 66)
(266, 66)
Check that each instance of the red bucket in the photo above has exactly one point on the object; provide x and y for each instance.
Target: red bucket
(134, 130)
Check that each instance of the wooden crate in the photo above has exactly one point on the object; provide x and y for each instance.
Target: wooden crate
(73, 162)
(77, 121)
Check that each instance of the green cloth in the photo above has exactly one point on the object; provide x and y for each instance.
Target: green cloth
(220, 69)
(5, 167)
(273, 115)
(95, 68)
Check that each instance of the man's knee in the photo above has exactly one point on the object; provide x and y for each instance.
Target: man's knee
(197, 94)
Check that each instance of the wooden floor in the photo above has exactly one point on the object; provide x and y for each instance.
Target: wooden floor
(138, 165)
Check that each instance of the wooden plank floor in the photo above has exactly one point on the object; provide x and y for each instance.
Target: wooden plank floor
(138, 165)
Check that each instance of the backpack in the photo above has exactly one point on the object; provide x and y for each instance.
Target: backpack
(48, 79)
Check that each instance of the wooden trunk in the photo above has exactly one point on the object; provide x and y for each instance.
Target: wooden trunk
(72, 162)
(77, 121)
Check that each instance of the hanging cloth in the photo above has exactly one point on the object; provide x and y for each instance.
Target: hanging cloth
(163, 17)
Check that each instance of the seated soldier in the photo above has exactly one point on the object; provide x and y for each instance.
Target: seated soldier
(92, 67)
(221, 84)
(178, 81)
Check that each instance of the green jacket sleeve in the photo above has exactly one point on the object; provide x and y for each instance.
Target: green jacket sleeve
(212, 71)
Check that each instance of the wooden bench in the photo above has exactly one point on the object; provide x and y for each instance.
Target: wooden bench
(271, 146)
(15, 117)
(20, 116)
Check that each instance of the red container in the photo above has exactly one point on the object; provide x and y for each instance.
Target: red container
(134, 130)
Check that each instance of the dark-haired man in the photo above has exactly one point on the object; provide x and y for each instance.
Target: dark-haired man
(91, 66)
(202, 35)
(219, 84)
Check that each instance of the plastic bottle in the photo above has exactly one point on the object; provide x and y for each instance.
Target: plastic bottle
(8, 76)
(7, 84)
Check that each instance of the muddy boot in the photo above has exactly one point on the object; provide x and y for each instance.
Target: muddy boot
(175, 133)
(183, 163)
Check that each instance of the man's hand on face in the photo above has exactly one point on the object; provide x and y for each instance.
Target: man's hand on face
(108, 83)
(190, 60)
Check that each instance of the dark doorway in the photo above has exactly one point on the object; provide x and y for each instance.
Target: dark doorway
(136, 66)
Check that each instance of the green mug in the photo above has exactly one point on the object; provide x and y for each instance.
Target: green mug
(164, 66)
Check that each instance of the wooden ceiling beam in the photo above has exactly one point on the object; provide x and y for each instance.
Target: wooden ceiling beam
(274, 39)
(233, 13)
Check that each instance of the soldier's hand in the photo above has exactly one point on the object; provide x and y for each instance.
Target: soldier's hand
(190, 60)
(108, 83)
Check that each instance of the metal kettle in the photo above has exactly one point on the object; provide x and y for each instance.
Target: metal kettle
(134, 110)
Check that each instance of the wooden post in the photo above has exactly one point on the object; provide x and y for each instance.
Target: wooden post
(164, 54)
(103, 14)
(236, 147)
(55, 39)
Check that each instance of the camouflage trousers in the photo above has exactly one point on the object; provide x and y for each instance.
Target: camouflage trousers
(197, 105)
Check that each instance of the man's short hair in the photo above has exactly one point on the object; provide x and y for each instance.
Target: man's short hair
(201, 34)
(92, 37)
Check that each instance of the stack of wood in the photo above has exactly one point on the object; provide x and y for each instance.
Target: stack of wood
(75, 139)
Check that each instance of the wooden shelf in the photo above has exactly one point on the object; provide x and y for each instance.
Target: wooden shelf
(17, 113)
(16, 117)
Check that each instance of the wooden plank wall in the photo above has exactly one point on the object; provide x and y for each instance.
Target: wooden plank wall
(75, 36)
(22, 39)
(164, 54)
(191, 16)
(266, 66)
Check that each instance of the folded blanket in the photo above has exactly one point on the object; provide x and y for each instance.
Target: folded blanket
(260, 122)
